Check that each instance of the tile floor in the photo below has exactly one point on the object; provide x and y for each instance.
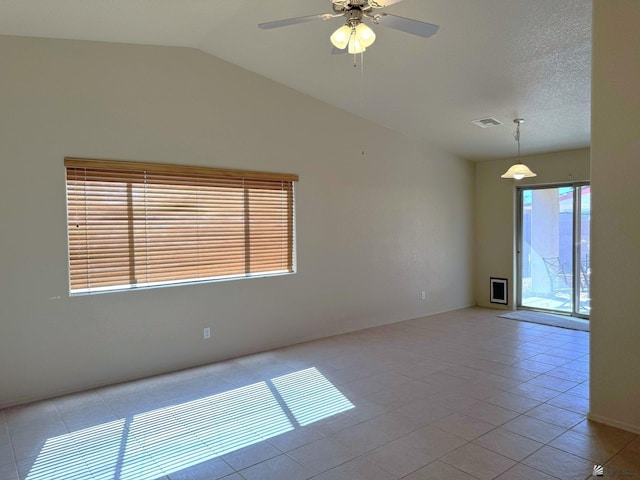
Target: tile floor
(458, 396)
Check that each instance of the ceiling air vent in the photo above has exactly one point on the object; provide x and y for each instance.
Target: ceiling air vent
(487, 122)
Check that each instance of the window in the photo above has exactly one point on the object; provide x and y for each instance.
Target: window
(137, 224)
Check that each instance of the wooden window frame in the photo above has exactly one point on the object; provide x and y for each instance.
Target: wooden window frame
(137, 225)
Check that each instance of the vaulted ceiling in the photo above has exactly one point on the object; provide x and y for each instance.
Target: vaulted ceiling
(498, 58)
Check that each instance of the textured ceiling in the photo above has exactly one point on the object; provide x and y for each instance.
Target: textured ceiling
(500, 58)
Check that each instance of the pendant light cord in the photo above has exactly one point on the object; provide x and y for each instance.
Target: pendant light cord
(517, 137)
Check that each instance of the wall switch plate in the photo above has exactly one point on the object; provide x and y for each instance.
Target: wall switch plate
(424, 295)
(206, 333)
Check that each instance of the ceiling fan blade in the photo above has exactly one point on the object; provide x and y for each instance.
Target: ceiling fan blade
(294, 21)
(382, 3)
(407, 25)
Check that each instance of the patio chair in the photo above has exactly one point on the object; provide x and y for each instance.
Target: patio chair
(561, 282)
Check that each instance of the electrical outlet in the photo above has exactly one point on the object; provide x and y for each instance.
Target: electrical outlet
(424, 295)
(206, 333)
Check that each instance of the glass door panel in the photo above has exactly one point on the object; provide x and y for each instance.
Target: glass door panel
(583, 297)
(546, 261)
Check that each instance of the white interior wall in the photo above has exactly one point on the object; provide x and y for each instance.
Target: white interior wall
(615, 229)
(379, 217)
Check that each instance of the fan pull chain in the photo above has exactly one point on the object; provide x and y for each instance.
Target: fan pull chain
(362, 91)
(355, 63)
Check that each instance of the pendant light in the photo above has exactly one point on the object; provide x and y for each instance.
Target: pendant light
(518, 171)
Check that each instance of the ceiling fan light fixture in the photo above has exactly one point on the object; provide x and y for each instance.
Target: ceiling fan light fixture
(355, 36)
(340, 38)
(365, 35)
(519, 170)
(354, 45)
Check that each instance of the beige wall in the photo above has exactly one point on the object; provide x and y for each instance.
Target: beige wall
(615, 228)
(373, 229)
(495, 211)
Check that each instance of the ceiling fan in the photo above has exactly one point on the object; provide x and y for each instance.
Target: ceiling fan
(355, 36)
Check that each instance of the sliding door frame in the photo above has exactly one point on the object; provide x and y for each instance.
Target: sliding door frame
(576, 238)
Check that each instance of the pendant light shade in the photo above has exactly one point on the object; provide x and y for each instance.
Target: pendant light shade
(519, 170)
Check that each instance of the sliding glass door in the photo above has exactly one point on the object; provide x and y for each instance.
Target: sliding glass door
(553, 247)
